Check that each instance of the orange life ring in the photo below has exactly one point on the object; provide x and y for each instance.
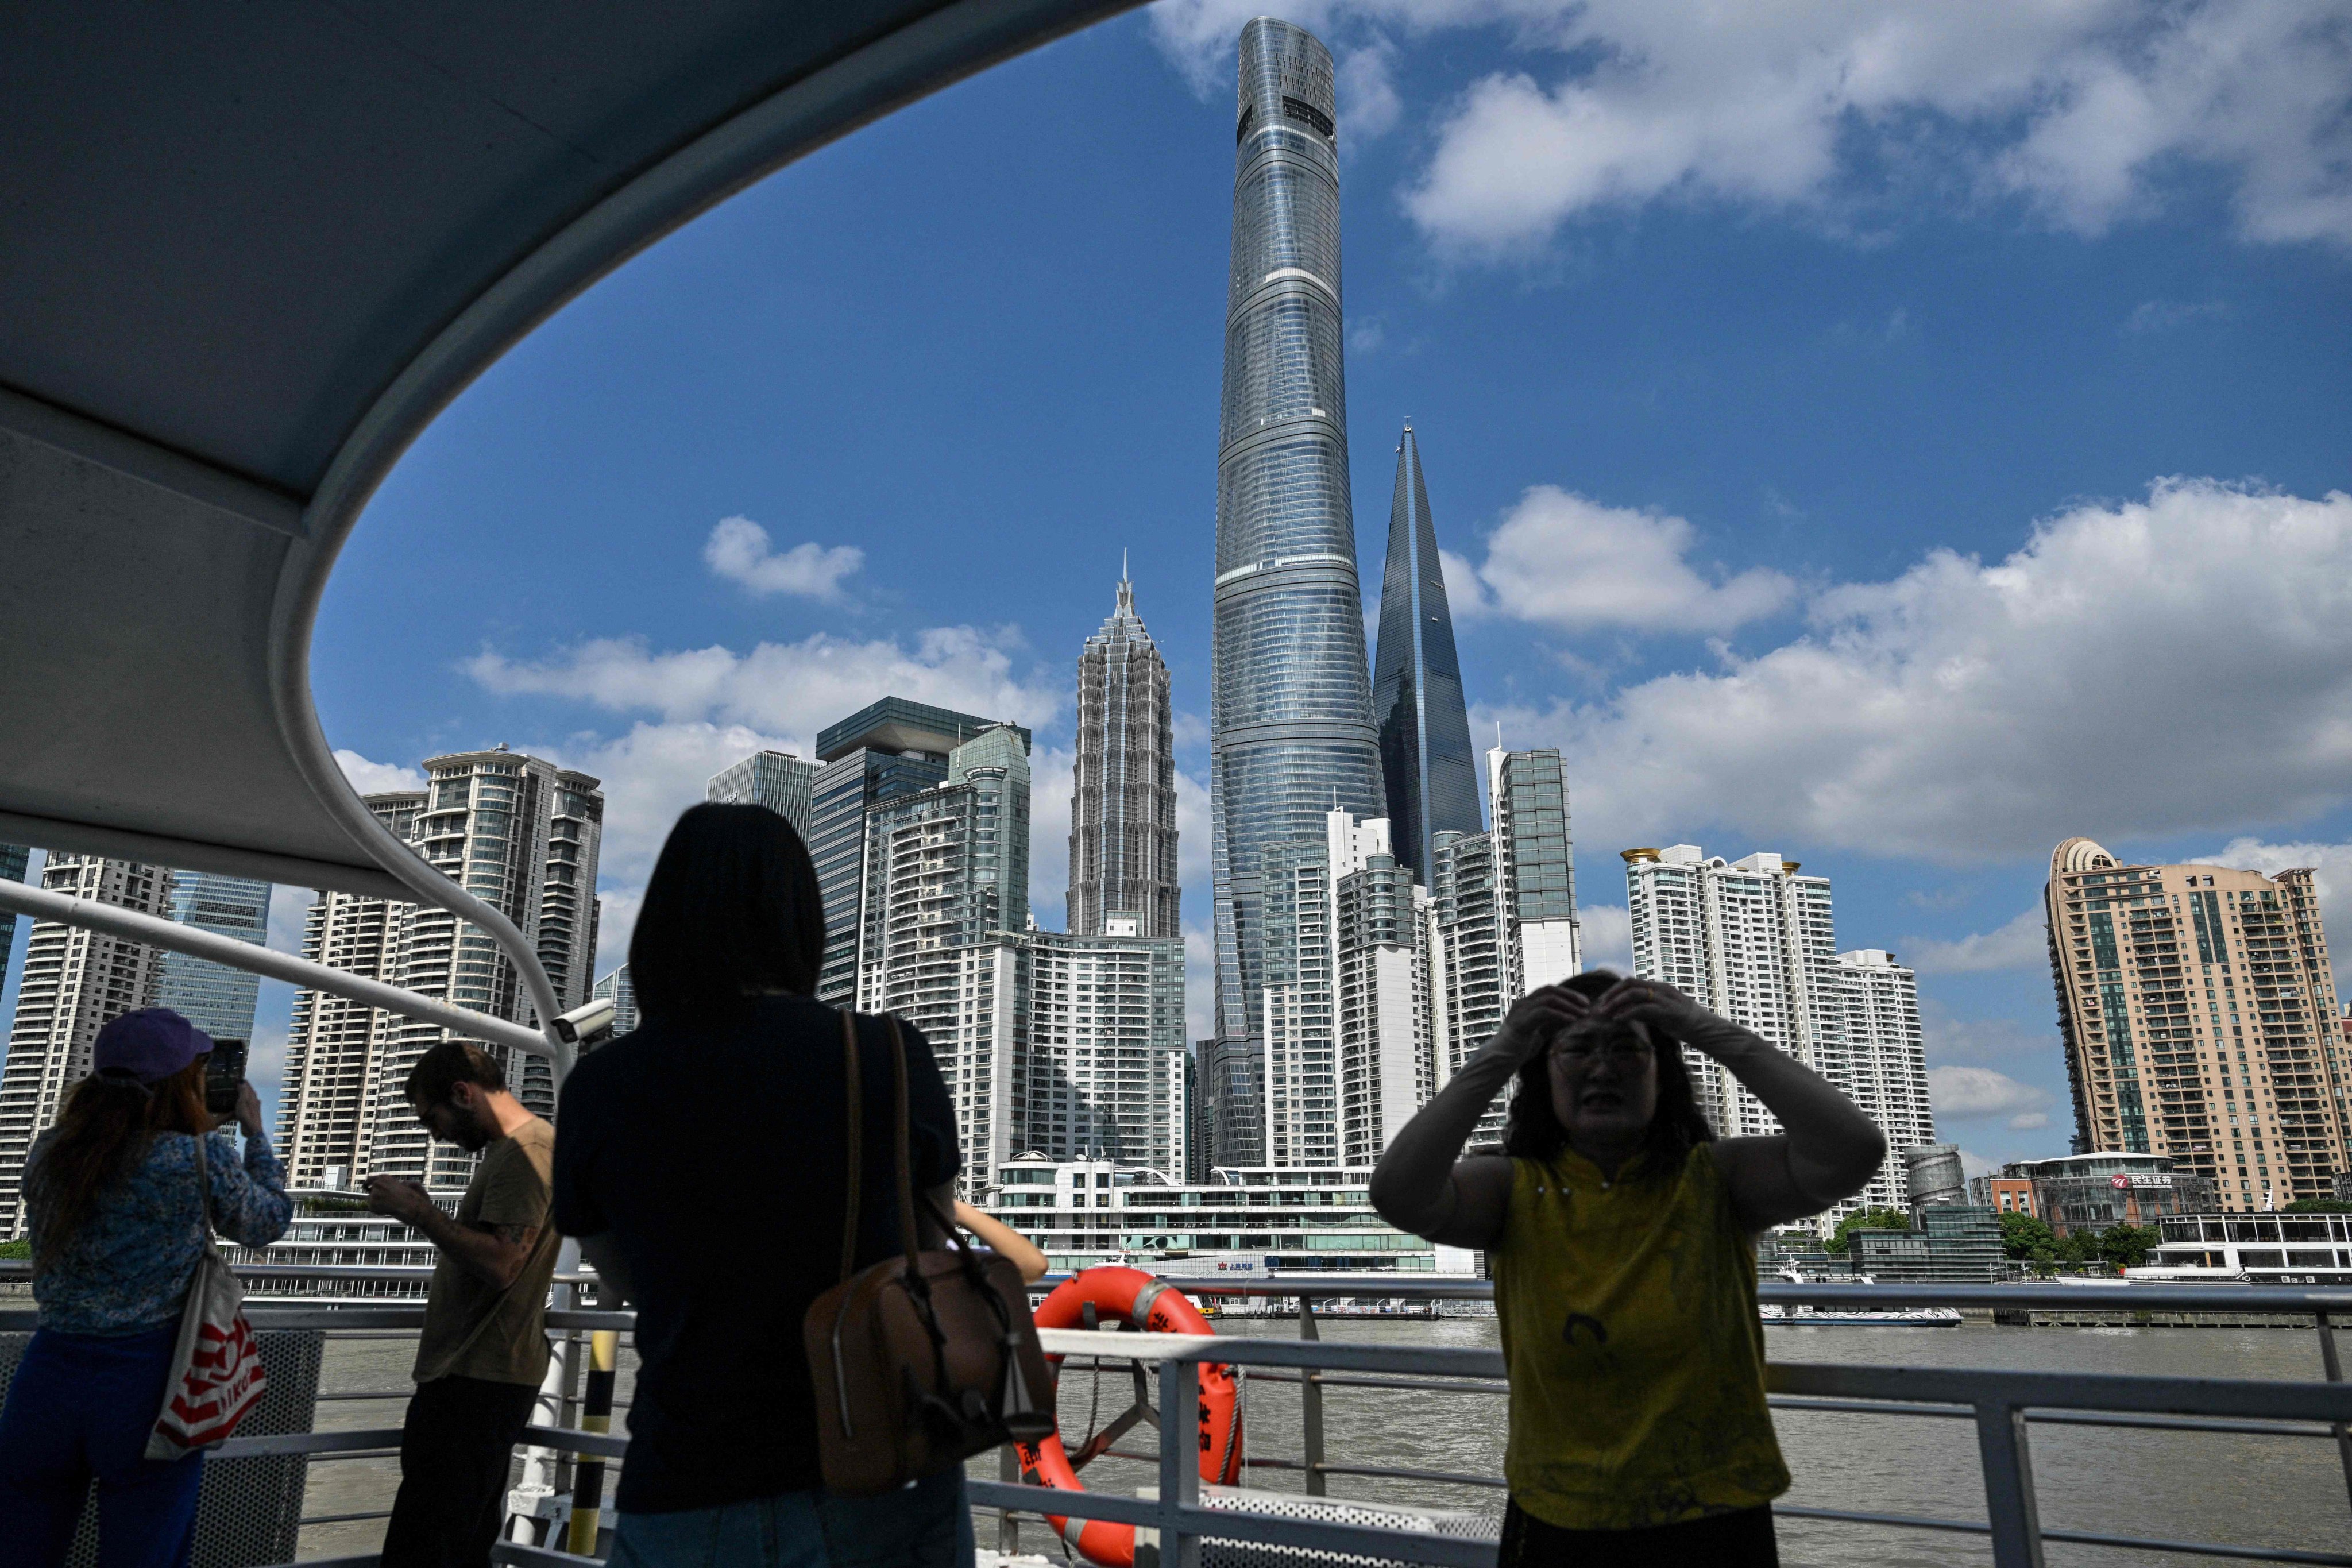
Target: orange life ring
(1136, 1299)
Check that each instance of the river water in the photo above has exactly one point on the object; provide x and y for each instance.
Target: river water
(2211, 1486)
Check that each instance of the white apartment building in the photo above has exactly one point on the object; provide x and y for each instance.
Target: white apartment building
(1880, 1061)
(334, 1045)
(74, 982)
(520, 834)
(1751, 939)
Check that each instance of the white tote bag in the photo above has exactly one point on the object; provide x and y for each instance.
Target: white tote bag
(216, 1374)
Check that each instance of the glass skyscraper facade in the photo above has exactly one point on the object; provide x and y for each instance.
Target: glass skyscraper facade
(888, 749)
(1291, 731)
(1433, 784)
(780, 780)
(213, 997)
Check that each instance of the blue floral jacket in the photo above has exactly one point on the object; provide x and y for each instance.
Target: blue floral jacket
(128, 1266)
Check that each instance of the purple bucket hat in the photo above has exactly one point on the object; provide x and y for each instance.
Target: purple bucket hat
(149, 1045)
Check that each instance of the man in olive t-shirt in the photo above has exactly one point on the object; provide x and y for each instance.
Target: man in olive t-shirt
(484, 1347)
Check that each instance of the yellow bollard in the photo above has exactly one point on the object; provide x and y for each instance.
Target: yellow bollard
(595, 1415)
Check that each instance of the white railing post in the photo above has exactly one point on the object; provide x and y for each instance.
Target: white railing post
(1179, 1460)
(2010, 1504)
(2332, 1366)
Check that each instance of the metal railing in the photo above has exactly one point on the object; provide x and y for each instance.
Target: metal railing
(2002, 1406)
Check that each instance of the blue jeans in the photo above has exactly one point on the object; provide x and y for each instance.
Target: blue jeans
(81, 1406)
(925, 1525)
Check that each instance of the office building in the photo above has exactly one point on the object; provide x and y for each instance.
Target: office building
(1290, 716)
(944, 904)
(213, 997)
(888, 749)
(334, 1045)
(14, 858)
(2198, 1019)
(1878, 1057)
(621, 991)
(1535, 866)
(1123, 875)
(1751, 939)
(1429, 776)
(74, 982)
(785, 783)
(523, 835)
(1232, 1075)
(2089, 1193)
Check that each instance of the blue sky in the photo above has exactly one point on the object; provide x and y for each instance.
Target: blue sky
(1893, 439)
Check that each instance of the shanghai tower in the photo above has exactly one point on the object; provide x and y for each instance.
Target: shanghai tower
(1290, 716)
(1433, 784)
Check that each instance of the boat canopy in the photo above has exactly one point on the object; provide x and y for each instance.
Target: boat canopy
(246, 252)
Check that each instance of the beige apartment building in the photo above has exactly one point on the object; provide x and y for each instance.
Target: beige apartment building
(2198, 1019)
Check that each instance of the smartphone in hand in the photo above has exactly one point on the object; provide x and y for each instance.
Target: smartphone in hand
(224, 1075)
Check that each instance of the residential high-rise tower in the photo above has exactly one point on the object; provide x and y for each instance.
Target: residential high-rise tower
(334, 1045)
(75, 980)
(888, 749)
(2199, 1016)
(1425, 762)
(1750, 939)
(1123, 875)
(1290, 719)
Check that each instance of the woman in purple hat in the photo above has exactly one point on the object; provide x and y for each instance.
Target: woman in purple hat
(117, 1223)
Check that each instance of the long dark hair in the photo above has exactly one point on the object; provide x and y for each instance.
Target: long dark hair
(732, 909)
(1531, 1129)
(108, 1124)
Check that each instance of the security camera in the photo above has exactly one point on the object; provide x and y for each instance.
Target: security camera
(586, 1024)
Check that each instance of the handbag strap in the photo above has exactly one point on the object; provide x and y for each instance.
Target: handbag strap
(855, 1140)
(906, 1237)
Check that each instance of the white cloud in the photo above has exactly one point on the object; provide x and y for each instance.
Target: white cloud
(2087, 111)
(794, 689)
(2167, 665)
(2028, 1122)
(1465, 595)
(1566, 562)
(2090, 111)
(289, 910)
(1978, 1039)
(738, 550)
(377, 778)
(1365, 337)
(1968, 1094)
(1051, 775)
(1367, 95)
(2022, 943)
(1973, 1165)
(1606, 933)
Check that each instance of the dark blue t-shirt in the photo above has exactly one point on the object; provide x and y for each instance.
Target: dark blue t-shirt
(716, 1160)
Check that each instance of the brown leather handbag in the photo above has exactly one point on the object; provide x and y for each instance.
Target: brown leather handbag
(922, 1361)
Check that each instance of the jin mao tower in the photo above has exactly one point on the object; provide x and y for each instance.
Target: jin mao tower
(1291, 735)
(1123, 877)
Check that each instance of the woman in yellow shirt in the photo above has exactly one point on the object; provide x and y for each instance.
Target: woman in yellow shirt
(1622, 1235)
